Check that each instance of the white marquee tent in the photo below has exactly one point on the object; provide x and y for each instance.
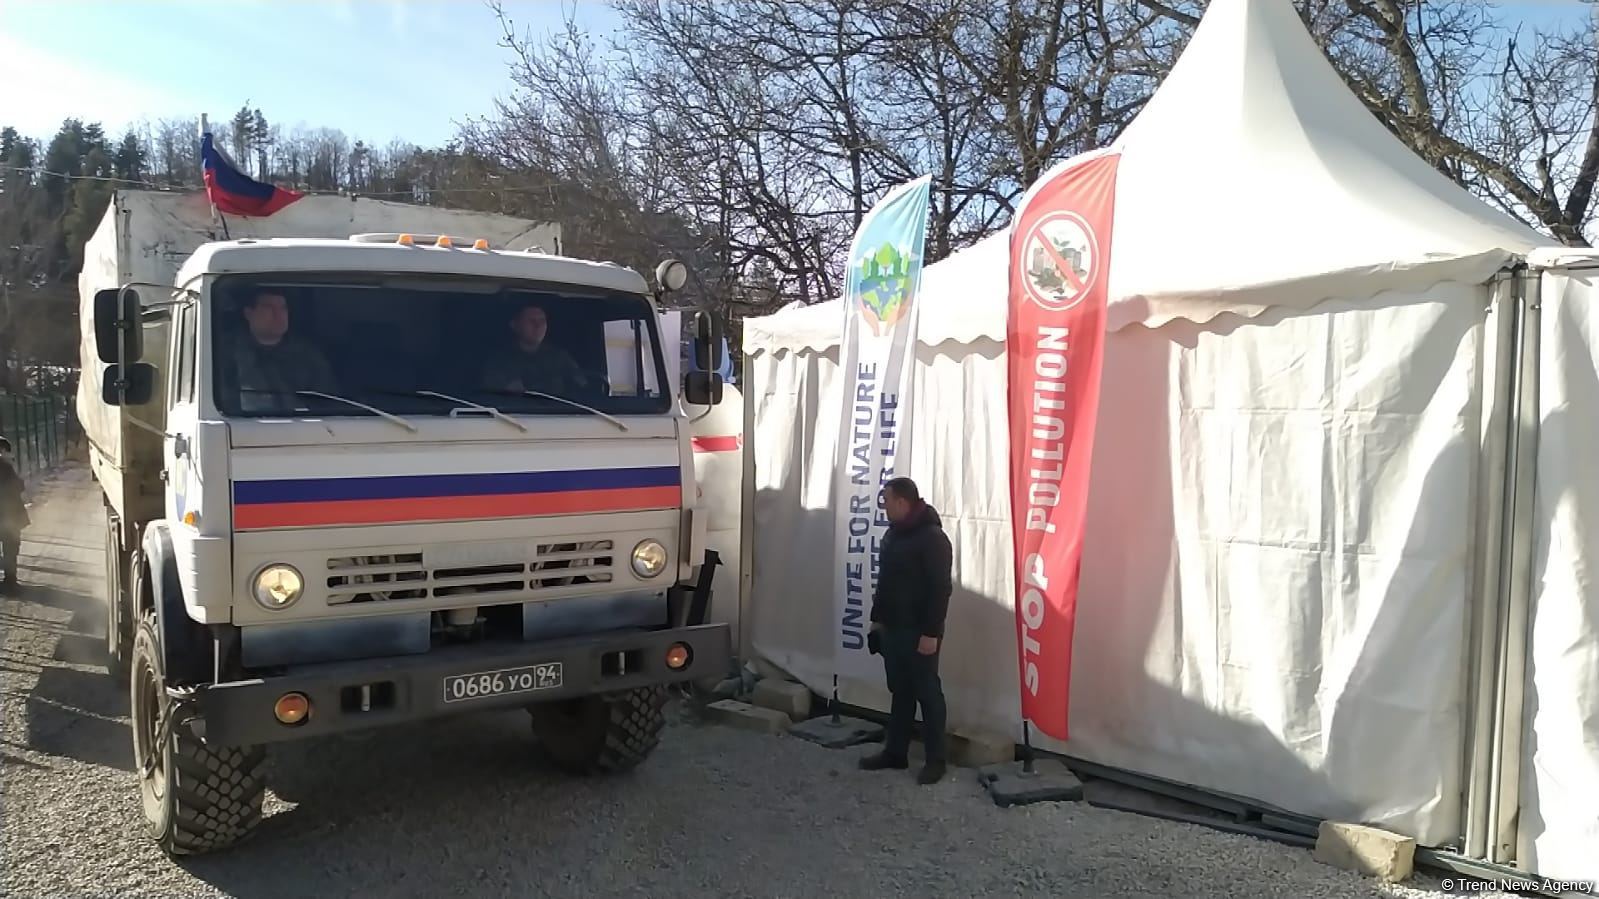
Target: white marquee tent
(1311, 530)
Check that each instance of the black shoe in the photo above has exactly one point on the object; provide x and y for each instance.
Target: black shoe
(931, 773)
(884, 762)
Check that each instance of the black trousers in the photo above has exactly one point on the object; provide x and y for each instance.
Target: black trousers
(10, 547)
(913, 681)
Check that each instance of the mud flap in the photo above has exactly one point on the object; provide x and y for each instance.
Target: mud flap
(690, 608)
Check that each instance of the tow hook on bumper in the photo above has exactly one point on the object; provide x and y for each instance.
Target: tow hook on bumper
(346, 696)
(183, 712)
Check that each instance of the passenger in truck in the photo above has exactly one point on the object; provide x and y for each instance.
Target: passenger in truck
(533, 363)
(269, 366)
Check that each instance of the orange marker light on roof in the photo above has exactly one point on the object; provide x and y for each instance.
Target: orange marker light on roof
(444, 241)
(480, 244)
(405, 240)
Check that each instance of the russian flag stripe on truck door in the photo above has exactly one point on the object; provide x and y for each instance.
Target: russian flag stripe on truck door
(405, 499)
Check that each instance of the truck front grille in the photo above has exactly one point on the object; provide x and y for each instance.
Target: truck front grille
(402, 576)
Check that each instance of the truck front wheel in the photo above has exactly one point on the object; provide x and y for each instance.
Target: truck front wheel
(601, 734)
(197, 798)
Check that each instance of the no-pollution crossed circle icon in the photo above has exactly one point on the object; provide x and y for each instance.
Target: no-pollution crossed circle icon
(1060, 261)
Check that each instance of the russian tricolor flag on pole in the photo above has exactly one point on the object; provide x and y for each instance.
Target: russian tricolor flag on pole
(235, 193)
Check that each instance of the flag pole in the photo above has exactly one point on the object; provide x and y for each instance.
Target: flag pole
(1027, 747)
(216, 217)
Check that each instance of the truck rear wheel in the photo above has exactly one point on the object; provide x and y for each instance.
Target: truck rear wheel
(197, 798)
(601, 734)
(118, 629)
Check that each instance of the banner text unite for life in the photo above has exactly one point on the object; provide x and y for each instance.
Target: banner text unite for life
(874, 409)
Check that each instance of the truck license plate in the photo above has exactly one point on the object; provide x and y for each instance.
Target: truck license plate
(488, 684)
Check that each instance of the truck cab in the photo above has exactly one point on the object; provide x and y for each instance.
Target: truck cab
(402, 476)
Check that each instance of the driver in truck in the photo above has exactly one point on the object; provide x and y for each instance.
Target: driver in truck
(533, 364)
(269, 365)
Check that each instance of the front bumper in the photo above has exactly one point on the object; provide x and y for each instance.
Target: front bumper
(348, 696)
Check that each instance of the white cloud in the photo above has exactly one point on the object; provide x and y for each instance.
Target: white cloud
(42, 90)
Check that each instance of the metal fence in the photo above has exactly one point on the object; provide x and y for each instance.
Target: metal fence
(43, 430)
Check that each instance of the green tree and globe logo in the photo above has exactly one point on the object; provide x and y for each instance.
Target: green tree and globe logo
(883, 284)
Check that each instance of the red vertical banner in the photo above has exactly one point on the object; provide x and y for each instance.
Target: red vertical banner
(1059, 269)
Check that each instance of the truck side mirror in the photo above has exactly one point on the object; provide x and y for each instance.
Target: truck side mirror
(118, 334)
(702, 388)
(707, 342)
(128, 384)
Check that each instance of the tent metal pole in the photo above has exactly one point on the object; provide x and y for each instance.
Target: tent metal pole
(745, 650)
(1499, 360)
(1505, 797)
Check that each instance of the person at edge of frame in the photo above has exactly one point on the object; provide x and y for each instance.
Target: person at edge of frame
(13, 517)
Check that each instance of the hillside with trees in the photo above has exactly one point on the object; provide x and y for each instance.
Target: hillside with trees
(749, 138)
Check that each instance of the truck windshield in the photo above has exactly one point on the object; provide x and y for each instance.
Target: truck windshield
(398, 344)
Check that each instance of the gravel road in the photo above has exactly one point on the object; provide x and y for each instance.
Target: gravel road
(463, 808)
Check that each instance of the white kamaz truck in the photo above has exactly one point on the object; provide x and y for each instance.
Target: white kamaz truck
(367, 463)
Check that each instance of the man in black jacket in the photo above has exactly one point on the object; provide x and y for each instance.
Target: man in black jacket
(913, 587)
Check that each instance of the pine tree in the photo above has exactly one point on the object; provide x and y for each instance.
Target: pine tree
(63, 159)
(243, 121)
(89, 199)
(129, 161)
(261, 136)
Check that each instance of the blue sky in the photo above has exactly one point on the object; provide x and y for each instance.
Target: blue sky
(1545, 13)
(376, 69)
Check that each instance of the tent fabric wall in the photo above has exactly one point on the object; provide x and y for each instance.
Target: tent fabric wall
(1559, 823)
(958, 448)
(1281, 514)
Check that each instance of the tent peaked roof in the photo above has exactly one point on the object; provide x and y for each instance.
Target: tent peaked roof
(1254, 177)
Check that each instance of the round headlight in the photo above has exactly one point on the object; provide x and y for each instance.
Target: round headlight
(649, 558)
(278, 586)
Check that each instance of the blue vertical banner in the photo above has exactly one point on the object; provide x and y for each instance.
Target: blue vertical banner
(877, 357)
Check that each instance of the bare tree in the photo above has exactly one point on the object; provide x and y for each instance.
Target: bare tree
(570, 147)
(175, 155)
(727, 122)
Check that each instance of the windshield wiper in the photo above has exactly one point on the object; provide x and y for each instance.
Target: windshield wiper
(349, 402)
(573, 403)
(469, 406)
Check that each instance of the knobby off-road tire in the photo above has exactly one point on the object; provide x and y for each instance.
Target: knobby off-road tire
(118, 627)
(603, 734)
(197, 798)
